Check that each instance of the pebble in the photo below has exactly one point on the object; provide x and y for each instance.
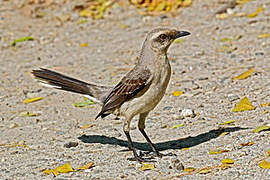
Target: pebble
(188, 113)
(176, 164)
(71, 144)
(13, 125)
(233, 97)
(259, 53)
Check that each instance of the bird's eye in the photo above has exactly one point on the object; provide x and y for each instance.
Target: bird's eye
(162, 36)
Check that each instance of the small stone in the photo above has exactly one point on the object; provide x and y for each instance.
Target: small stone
(13, 125)
(233, 97)
(259, 53)
(176, 164)
(167, 108)
(71, 144)
(187, 113)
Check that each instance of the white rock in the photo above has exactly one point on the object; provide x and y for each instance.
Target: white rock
(188, 113)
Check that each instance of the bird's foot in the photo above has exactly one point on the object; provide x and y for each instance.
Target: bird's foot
(140, 158)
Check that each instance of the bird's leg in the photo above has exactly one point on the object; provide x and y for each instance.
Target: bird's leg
(131, 145)
(141, 126)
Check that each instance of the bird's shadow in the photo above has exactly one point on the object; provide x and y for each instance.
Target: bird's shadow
(173, 144)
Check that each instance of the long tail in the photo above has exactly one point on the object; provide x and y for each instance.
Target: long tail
(59, 81)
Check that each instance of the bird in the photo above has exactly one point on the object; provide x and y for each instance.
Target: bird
(137, 93)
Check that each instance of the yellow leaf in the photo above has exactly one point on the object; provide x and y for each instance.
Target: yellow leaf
(227, 122)
(30, 114)
(243, 105)
(224, 133)
(184, 149)
(218, 152)
(244, 75)
(86, 166)
(223, 16)
(176, 126)
(55, 172)
(241, 2)
(87, 126)
(264, 35)
(26, 101)
(147, 167)
(268, 153)
(224, 166)
(86, 13)
(261, 128)
(227, 161)
(189, 169)
(265, 104)
(64, 168)
(48, 171)
(247, 144)
(225, 39)
(254, 14)
(84, 44)
(177, 93)
(186, 3)
(265, 164)
(205, 171)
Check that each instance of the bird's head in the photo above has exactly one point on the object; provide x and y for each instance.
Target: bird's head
(160, 39)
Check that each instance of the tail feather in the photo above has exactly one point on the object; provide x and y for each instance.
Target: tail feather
(63, 82)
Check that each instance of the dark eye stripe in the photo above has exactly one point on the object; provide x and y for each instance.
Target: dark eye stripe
(163, 36)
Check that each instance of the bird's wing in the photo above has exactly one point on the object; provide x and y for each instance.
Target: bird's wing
(133, 83)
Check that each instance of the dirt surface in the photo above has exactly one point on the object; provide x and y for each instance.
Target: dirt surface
(200, 68)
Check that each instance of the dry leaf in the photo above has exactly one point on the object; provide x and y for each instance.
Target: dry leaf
(227, 122)
(264, 35)
(86, 166)
(147, 167)
(243, 105)
(176, 126)
(27, 38)
(32, 100)
(29, 114)
(265, 164)
(86, 126)
(268, 153)
(84, 44)
(265, 104)
(177, 93)
(241, 2)
(15, 145)
(247, 144)
(61, 169)
(254, 14)
(224, 134)
(261, 128)
(189, 169)
(225, 166)
(227, 161)
(205, 171)
(218, 152)
(86, 102)
(244, 75)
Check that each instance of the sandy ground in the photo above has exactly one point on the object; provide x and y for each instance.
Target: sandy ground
(200, 68)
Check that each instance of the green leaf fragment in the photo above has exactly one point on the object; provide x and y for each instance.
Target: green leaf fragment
(84, 103)
(27, 38)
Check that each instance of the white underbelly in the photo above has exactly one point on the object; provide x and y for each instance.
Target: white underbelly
(150, 98)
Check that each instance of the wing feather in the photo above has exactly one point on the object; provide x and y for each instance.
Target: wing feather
(127, 88)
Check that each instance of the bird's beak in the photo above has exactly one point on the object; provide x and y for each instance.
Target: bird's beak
(179, 34)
